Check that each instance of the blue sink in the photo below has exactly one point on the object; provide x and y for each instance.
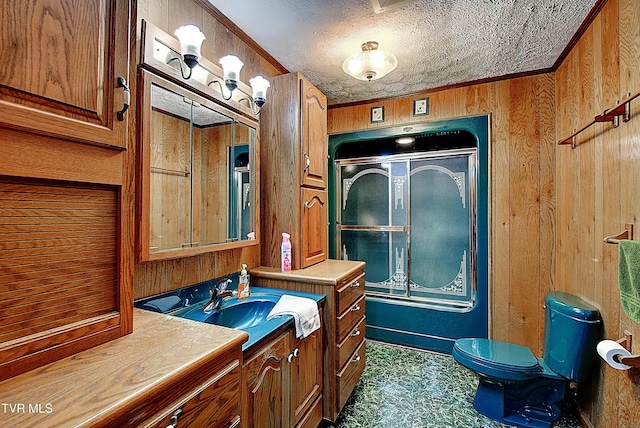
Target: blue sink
(242, 314)
(249, 315)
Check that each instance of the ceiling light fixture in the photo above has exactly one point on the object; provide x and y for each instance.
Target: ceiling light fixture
(370, 64)
(405, 141)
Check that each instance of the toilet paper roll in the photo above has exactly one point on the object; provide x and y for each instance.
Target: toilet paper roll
(607, 349)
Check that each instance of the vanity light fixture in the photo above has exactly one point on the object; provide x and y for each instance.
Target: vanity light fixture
(231, 66)
(191, 39)
(370, 64)
(259, 86)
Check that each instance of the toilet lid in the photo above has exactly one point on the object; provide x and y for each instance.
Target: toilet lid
(493, 357)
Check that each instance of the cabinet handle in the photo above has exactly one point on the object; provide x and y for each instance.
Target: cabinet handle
(307, 162)
(296, 352)
(355, 333)
(355, 360)
(355, 284)
(235, 422)
(356, 308)
(122, 83)
(290, 357)
(174, 419)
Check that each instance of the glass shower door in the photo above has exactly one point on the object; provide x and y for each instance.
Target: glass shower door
(411, 219)
(373, 222)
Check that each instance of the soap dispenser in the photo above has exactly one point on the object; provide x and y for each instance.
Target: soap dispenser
(243, 283)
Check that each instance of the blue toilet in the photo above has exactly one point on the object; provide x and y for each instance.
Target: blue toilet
(517, 388)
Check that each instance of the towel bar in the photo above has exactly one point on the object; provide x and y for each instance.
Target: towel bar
(627, 233)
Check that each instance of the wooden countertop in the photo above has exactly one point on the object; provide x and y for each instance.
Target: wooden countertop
(328, 272)
(91, 387)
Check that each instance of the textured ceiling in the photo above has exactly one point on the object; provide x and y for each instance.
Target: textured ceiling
(437, 42)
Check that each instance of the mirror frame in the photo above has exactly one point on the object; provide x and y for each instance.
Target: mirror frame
(145, 81)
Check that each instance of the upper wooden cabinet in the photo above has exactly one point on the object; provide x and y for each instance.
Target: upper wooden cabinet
(294, 163)
(314, 136)
(62, 61)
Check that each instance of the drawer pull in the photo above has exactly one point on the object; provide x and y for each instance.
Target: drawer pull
(356, 308)
(355, 284)
(355, 360)
(290, 357)
(174, 419)
(355, 333)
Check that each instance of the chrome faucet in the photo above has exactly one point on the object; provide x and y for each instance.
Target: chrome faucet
(218, 293)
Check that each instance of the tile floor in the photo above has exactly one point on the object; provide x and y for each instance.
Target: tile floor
(410, 388)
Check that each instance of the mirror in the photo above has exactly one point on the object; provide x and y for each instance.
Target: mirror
(197, 173)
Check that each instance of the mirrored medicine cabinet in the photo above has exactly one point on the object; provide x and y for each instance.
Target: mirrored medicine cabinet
(198, 173)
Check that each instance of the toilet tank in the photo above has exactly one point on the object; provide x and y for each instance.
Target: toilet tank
(572, 330)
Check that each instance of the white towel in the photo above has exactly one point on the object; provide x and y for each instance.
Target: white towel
(304, 312)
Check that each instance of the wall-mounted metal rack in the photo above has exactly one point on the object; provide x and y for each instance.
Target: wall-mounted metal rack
(609, 115)
(627, 233)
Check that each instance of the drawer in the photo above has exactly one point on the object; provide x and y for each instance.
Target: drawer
(214, 403)
(348, 320)
(350, 292)
(350, 343)
(349, 375)
(313, 417)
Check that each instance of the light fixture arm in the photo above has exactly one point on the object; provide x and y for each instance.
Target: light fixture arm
(255, 108)
(188, 76)
(221, 89)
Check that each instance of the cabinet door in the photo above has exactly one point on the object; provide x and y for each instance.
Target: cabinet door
(314, 136)
(62, 60)
(264, 376)
(314, 224)
(306, 374)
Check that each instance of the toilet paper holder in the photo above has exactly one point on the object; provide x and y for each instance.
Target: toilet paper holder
(630, 360)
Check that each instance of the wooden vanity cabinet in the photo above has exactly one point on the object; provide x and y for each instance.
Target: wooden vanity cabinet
(293, 156)
(283, 383)
(343, 317)
(168, 366)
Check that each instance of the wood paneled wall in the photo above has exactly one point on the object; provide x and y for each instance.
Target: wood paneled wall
(521, 187)
(551, 206)
(160, 276)
(597, 192)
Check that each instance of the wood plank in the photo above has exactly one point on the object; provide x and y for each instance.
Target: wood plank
(499, 284)
(524, 196)
(547, 205)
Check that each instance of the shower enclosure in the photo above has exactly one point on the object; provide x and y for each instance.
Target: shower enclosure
(412, 219)
(418, 216)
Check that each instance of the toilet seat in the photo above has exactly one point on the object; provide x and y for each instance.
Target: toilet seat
(500, 360)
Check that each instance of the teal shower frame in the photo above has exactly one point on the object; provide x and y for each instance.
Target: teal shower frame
(415, 323)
